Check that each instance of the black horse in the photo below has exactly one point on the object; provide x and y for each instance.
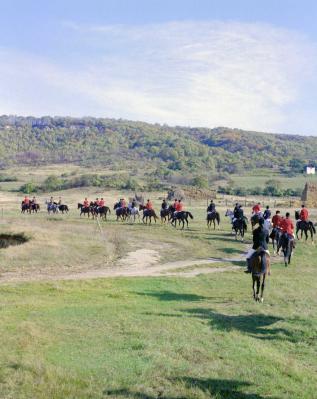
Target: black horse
(167, 213)
(121, 213)
(101, 211)
(182, 217)
(239, 227)
(287, 244)
(63, 208)
(213, 217)
(84, 210)
(304, 227)
(148, 214)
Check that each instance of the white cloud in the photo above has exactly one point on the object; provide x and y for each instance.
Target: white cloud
(250, 76)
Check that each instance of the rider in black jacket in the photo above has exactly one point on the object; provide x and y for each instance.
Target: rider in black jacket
(211, 207)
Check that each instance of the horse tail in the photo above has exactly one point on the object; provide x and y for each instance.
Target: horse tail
(190, 215)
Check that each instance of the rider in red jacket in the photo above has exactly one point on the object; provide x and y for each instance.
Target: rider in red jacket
(179, 206)
(303, 214)
(277, 219)
(287, 225)
(149, 205)
(256, 209)
(86, 203)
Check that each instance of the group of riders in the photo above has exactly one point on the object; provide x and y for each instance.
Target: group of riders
(31, 205)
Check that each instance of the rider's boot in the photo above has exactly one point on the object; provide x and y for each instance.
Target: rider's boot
(248, 266)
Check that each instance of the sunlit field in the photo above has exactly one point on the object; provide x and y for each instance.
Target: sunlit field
(125, 310)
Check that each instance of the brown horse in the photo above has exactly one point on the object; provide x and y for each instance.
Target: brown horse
(258, 277)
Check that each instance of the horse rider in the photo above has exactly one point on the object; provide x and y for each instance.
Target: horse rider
(86, 203)
(179, 206)
(101, 203)
(149, 205)
(164, 204)
(133, 203)
(34, 200)
(236, 207)
(26, 200)
(256, 210)
(175, 204)
(123, 203)
(238, 213)
(59, 201)
(287, 227)
(96, 203)
(260, 244)
(276, 220)
(303, 215)
(267, 213)
(211, 207)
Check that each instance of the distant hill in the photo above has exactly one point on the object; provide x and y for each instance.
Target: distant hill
(153, 149)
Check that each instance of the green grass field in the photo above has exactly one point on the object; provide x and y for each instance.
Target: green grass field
(166, 337)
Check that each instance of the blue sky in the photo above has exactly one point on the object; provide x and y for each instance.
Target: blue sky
(239, 63)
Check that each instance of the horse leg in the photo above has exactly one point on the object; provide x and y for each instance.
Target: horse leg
(258, 283)
(253, 286)
(262, 287)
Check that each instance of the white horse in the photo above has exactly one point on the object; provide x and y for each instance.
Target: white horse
(230, 215)
(134, 212)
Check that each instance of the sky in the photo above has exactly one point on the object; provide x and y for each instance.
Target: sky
(235, 63)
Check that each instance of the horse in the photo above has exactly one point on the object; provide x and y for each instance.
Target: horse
(147, 214)
(63, 208)
(287, 244)
(230, 215)
(84, 210)
(121, 213)
(52, 207)
(25, 207)
(182, 217)
(304, 227)
(240, 227)
(165, 214)
(133, 213)
(101, 211)
(213, 217)
(258, 276)
(275, 237)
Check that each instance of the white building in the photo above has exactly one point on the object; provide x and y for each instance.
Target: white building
(310, 170)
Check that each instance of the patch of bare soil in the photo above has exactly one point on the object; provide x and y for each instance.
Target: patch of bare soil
(139, 263)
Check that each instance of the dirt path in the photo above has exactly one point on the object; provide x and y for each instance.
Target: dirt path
(139, 263)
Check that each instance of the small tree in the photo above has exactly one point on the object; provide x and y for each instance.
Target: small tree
(28, 188)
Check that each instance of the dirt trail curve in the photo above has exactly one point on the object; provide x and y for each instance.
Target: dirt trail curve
(139, 263)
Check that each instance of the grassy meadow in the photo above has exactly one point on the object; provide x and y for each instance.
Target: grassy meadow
(142, 337)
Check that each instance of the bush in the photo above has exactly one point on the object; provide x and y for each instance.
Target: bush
(28, 188)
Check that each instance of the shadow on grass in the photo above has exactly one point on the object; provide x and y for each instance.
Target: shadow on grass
(173, 296)
(231, 250)
(220, 389)
(255, 325)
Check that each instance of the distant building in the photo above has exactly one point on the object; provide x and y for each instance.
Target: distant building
(310, 170)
